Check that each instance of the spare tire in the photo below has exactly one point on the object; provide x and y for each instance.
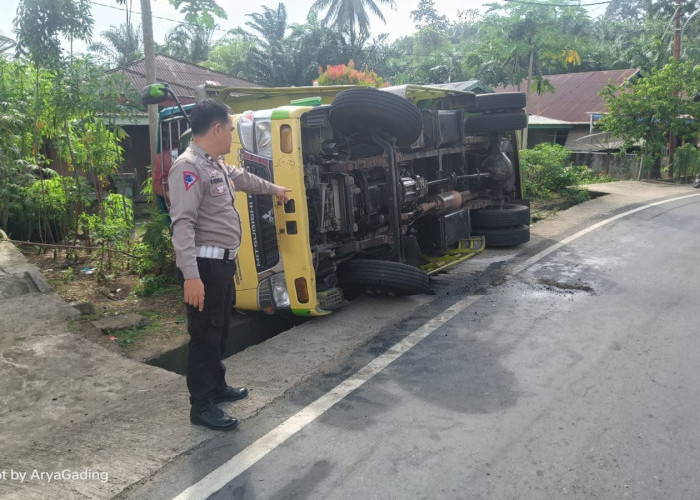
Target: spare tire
(383, 277)
(504, 237)
(497, 122)
(509, 215)
(368, 110)
(499, 102)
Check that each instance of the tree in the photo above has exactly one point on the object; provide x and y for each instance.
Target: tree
(312, 45)
(270, 57)
(199, 11)
(426, 15)
(40, 24)
(649, 108)
(121, 46)
(230, 55)
(188, 42)
(350, 17)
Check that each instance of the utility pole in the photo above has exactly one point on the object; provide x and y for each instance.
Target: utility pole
(677, 57)
(150, 60)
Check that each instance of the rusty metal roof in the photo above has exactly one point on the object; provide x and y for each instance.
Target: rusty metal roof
(576, 94)
(182, 76)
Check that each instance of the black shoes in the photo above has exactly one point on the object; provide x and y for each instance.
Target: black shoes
(230, 394)
(213, 418)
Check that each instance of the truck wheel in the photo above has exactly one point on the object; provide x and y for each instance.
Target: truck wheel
(382, 277)
(504, 237)
(497, 122)
(509, 215)
(499, 102)
(372, 111)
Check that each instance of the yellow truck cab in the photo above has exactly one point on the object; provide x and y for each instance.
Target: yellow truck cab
(387, 185)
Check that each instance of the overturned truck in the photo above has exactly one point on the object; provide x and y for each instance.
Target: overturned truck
(388, 186)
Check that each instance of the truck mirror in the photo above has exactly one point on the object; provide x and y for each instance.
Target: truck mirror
(155, 93)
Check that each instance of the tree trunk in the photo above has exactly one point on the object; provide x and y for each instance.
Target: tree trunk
(656, 169)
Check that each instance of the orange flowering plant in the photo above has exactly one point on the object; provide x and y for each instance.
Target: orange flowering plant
(346, 74)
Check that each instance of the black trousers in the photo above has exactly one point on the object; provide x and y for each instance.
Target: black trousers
(208, 330)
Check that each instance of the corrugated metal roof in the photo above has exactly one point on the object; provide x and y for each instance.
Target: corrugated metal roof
(182, 76)
(475, 86)
(576, 94)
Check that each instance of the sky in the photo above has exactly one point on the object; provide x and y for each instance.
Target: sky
(166, 17)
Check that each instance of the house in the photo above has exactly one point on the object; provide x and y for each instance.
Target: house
(566, 116)
(183, 78)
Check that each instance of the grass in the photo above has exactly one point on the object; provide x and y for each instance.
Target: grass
(159, 329)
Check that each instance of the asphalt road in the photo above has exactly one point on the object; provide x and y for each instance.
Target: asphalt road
(575, 377)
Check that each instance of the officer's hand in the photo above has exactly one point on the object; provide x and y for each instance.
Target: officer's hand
(194, 293)
(281, 194)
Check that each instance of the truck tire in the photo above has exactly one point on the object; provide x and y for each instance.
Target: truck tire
(508, 216)
(497, 122)
(504, 237)
(368, 110)
(499, 102)
(382, 277)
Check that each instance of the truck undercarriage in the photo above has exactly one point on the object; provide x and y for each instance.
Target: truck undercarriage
(385, 189)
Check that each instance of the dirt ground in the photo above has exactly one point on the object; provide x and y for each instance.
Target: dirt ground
(76, 281)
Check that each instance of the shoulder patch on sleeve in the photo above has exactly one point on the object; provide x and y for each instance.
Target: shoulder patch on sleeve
(190, 179)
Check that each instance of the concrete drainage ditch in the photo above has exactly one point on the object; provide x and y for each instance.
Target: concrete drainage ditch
(246, 330)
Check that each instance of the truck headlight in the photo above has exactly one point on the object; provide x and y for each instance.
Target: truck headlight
(254, 130)
(263, 133)
(246, 131)
(273, 294)
(280, 295)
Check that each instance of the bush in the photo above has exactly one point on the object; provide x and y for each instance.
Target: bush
(155, 251)
(50, 207)
(547, 173)
(112, 228)
(686, 161)
(342, 74)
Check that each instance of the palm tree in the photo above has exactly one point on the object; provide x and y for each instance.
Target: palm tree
(269, 57)
(350, 17)
(121, 46)
(188, 42)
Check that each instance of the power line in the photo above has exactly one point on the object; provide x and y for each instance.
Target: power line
(159, 17)
(559, 4)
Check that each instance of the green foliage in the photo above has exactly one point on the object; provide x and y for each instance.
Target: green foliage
(155, 251)
(40, 24)
(48, 205)
(547, 172)
(151, 286)
(58, 118)
(687, 161)
(188, 42)
(350, 18)
(200, 11)
(121, 46)
(127, 338)
(649, 108)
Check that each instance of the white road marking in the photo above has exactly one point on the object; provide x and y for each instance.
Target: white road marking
(553, 248)
(248, 457)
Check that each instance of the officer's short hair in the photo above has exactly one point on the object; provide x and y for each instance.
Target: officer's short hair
(206, 113)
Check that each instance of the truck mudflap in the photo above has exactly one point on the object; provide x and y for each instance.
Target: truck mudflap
(466, 249)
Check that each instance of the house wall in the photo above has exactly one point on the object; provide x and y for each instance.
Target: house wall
(537, 136)
(619, 167)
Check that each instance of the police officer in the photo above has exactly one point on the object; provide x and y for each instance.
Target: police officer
(206, 236)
